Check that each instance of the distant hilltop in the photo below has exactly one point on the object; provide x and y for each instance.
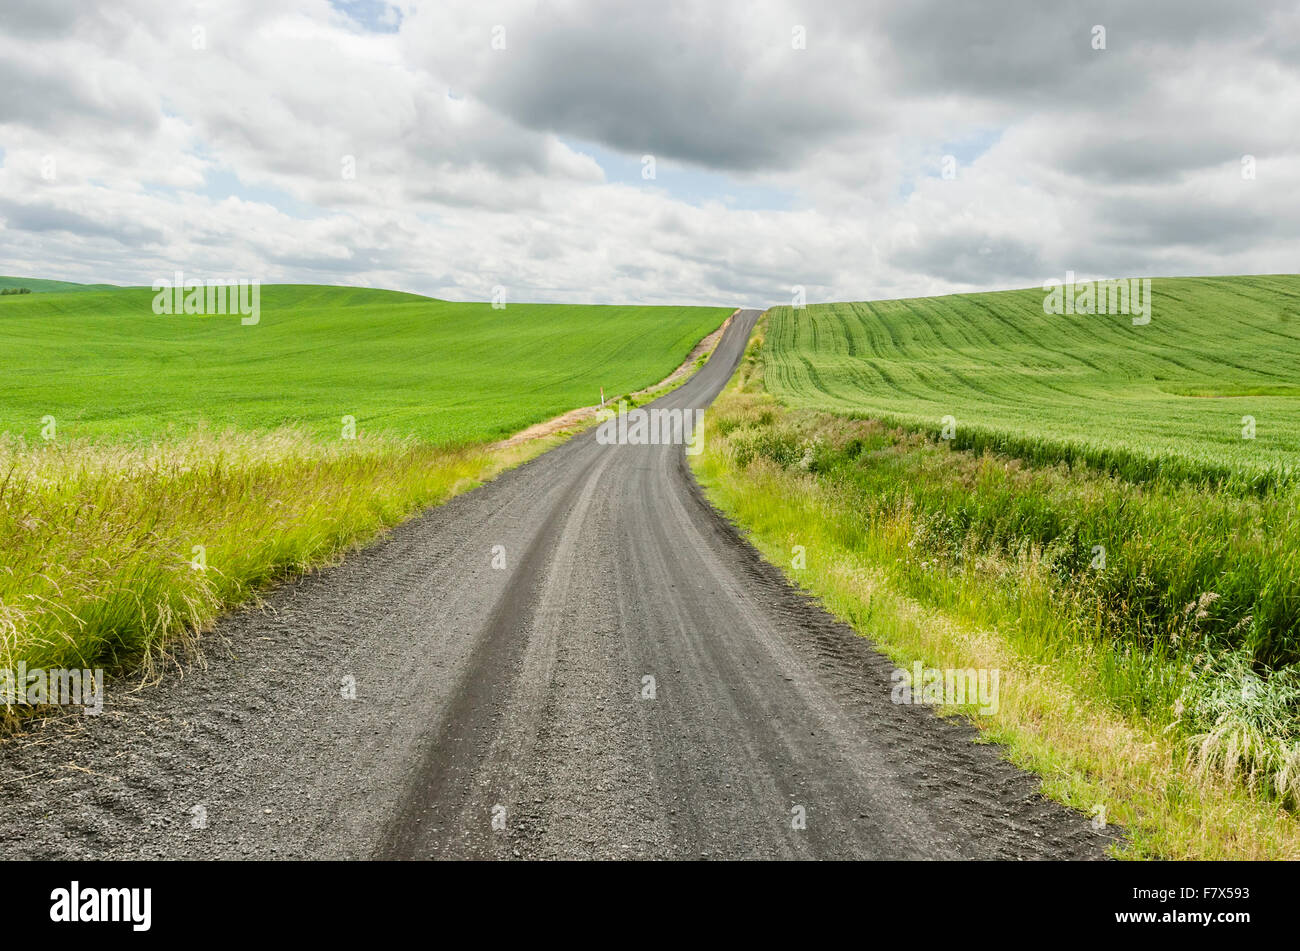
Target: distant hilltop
(38, 285)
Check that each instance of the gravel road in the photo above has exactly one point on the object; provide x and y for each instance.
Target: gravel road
(504, 712)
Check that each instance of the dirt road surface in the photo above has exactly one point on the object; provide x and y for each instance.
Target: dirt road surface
(506, 712)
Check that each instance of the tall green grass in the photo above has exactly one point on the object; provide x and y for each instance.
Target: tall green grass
(1134, 554)
(1160, 677)
(108, 551)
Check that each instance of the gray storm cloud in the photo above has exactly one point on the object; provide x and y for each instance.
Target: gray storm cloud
(446, 148)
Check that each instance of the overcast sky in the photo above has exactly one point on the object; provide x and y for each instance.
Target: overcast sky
(447, 148)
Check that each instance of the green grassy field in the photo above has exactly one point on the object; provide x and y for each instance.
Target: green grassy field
(196, 460)
(1141, 716)
(106, 367)
(1144, 608)
(1165, 398)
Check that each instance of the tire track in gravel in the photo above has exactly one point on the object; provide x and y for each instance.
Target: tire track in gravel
(518, 692)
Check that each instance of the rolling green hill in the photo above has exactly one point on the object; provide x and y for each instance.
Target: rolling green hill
(184, 434)
(39, 286)
(1166, 398)
(1142, 609)
(106, 367)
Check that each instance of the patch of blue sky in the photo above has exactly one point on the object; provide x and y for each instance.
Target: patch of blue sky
(221, 183)
(375, 15)
(967, 149)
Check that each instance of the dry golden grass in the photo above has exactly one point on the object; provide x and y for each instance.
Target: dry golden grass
(108, 553)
